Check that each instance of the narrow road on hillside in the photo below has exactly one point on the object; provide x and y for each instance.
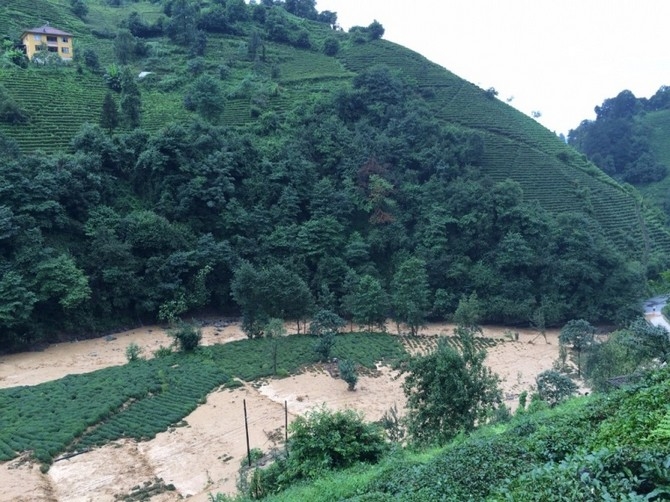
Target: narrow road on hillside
(652, 311)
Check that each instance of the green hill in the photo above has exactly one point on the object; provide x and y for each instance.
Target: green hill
(272, 139)
(658, 125)
(629, 141)
(515, 146)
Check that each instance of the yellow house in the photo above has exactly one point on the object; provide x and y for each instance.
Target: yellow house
(51, 39)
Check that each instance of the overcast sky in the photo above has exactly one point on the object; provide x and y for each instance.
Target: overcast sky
(561, 58)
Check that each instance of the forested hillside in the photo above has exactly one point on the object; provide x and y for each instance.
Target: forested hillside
(269, 165)
(629, 141)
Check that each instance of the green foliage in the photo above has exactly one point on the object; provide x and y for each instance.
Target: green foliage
(133, 352)
(411, 294)
(579, 334)
(325, 440)
(186, 336)
(325, 321)
(331, 46)
(449, 390)
(652, 342)
(205, 97)
(622, 354)
(618, 141)
(181, 28)
(124, 47)
(333, 168)
(348, 373)
(131, 101)
(603, 475)
(10, 111)
(469, 312)
(16, 300)
(274, 329)
(368, 303)
(17, 57)
(324, 345)
(553, 387)
(641, 409)
(393, 424)
(61, 279)
(112, 77)
(109, 115)
(269, 292)
(375, 30)
(91, 59)
(162, 351)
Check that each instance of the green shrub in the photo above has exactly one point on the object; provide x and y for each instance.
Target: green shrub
(331, 46)
(133, 352)
(186, 336)
(392, 424)
(325, 321)
(449, 390)
(325, 440)
(640, 409)
(324, 346)
(554, 387)
(10, 111)
(348, 373)
(162, 351)
(607, 474)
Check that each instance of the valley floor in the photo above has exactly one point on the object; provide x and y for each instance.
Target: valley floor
(203, 456)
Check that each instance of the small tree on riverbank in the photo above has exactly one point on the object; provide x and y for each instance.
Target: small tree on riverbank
(449, 390)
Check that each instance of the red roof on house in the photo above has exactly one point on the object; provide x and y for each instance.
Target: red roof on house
(48, 30)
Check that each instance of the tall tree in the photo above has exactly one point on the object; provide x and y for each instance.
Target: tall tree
(131, 100)
(275, 330)
(469, 312)
(205, 97)
(246, 293)
(368, 303)
(109, 116)
(579, 334)
(183, 21)
(124, 46)
(411, 294)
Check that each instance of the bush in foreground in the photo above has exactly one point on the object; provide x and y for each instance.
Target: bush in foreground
(325, 440)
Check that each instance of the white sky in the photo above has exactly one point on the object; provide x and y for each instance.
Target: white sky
(561, 58)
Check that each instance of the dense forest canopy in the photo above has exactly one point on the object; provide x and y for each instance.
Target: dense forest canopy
(619, 141)
(340, 201)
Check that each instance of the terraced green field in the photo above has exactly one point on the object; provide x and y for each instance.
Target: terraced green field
(140, 399)
(58, 102)
(516, 147)
(658, 124)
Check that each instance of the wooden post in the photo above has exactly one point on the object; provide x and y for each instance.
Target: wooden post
(246, 428)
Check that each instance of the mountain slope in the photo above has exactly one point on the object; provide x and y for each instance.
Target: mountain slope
(515, 146)
(273, 150)
(519, 148)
